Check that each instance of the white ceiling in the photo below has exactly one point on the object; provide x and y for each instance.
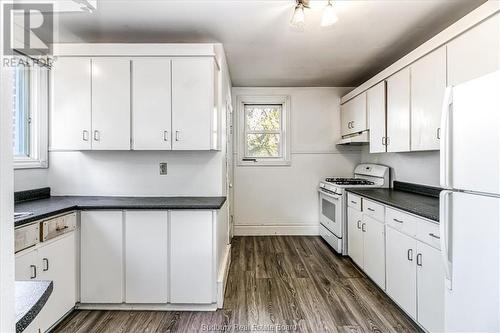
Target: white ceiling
(261, 48)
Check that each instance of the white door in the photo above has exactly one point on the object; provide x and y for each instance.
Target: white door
(353, 114)
(101, 257)
(473, 229)
(430, 288)
(26, 266)
(70, 127)
(146, 255)
(428, 84)
(192, 268)
(374, 250)
(470, 157)
(475, 53)
(355, 235)
(151, 104)
(193, 103)
(401, 278)
(110, 104)
(375, 101)
(398, 111)
(57, 262)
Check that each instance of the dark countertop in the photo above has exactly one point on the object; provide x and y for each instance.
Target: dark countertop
(47, 207)
(418, 204)
(31, 297)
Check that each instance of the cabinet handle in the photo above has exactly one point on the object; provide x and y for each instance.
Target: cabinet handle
(387, 141)
(363, 227)
(383, 141)
(419, 261)
(46, 262)
(409, 254)
(396, 220)
(177, 135)
(434, 236)
(61, 228)
(85, 135)
(354, 202)
(349, 125)
(33, 272)
(370, 209)
(352, 124)
(165, 135)
(438, 133)
(359, 224)
(97, 136)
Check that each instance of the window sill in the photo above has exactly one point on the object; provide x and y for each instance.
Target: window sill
(30, 164)
(265, 163)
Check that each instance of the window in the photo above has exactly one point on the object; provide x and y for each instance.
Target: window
(263, 130)
(29, 115)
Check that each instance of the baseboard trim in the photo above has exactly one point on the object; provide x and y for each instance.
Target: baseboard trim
(281, 230)
(147, 307)
(222, 278)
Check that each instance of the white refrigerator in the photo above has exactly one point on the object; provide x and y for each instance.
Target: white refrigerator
(470, 205)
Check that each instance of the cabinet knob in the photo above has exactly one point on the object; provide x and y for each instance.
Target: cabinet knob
(33, 272)
(419, 259)
(97, 136)
(85, 135)
(177, 135)
(438, 133)
(359, 224)
(363, 227)
(165, 135)
(409, 254)
(46, 264)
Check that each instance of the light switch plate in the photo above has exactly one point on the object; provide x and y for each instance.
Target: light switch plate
(163, 168)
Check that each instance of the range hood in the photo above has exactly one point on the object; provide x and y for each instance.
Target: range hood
(355, 139)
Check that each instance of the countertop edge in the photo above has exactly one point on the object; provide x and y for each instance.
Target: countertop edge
(23, 322)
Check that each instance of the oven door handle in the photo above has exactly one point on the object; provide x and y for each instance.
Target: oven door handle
(330, 195)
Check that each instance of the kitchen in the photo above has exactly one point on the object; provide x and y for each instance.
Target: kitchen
(170, 176)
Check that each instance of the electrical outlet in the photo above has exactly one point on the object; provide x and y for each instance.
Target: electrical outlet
(163, 168)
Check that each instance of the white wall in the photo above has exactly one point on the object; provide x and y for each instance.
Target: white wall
(413, 167)
(284, 200)
(27, 179)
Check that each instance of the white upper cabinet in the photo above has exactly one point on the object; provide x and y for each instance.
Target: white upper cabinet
(398, 111)
(110, 104)
(375, 101)
(353, 115)
(475, 53)
(428, 83)
(193, 103)
(151, 104)
(70, 126)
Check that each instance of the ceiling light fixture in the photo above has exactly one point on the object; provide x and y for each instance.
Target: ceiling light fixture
(299, 18)
(329, 16)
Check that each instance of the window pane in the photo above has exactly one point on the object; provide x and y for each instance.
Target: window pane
(263, 117)
(21, 115)
(263, 145)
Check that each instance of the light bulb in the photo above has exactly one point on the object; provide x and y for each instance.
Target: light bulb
(329, 16)
(298, 19)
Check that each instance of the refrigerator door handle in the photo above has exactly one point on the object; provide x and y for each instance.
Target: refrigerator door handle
(444, 216)
(445, 154)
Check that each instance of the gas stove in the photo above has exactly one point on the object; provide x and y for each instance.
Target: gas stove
(349, 181)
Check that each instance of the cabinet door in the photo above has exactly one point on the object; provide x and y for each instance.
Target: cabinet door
(355, 235)
(110, 104)
(353, 115)
(475, 53)
(146, 250)
(428, 83)
(192, 103)
(57, 262)
(401, 273)
(375, 99)
(192, 267)
(26, 266)
(430, 288)
(70, 127)
(374, 250)
(101, 257)
(151, 104)
(398, 111)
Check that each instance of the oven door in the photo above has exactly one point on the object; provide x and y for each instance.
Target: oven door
(330, 212)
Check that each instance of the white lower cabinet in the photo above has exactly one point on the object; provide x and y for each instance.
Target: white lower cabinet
(54, 261)
(401, 274)
(355, 235)
(146, 256)
(101, 257)
(430, 288)
(374, 250)
(192, 273)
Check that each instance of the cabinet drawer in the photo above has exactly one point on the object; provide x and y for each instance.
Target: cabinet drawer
(58, 226)
(373, 209)
(401, 221)
(353, 201)
(26, 237)
(428, 233)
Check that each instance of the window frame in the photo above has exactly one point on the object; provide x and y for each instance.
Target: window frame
(38, 124)
(285, 150)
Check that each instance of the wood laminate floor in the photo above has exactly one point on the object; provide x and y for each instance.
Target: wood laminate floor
(279, 284)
